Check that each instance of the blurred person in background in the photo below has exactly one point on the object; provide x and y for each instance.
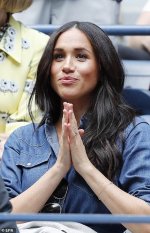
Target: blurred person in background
(20, 51)
(142, 42)
(62, 11)
(100, 12)
(138, 47)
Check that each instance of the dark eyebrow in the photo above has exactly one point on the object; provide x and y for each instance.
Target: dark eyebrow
(58, 50)
(76, 49)
(82, 49)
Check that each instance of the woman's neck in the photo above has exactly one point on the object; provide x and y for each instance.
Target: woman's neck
(3, 17)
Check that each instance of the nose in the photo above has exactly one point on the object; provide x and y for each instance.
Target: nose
(68, 65)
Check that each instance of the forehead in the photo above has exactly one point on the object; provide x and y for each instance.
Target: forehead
(73, 38)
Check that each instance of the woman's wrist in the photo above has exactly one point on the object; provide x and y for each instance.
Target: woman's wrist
(60, 169)
(85, 168)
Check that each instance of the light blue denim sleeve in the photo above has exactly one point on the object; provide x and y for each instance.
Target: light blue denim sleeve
(135, 173)
(10, 173)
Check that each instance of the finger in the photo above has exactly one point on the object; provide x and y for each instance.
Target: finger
(68, 106)
(65, 112)
(65, 133)
(72, 127)
(72, 115)
(65, 116)
(73, 122)
(65, 104)
(81, 132)
(64, 137)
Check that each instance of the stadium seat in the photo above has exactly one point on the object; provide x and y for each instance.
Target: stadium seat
(140, 100)
(137, 74)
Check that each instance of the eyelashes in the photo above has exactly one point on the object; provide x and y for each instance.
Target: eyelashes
(79, 56)
(58, 57)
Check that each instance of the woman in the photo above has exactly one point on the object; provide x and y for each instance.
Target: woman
(89, 152)
(20, 51)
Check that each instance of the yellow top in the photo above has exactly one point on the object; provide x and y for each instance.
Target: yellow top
(20, 51)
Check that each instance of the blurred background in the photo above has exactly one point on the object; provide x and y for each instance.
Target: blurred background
(130, 10)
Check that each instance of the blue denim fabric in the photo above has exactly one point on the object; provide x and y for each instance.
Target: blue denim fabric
(29, 154)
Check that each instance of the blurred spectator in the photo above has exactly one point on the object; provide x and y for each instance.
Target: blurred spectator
(20, 51)
(100, 12)
(62, 11)
(139, 46)
(142, 42)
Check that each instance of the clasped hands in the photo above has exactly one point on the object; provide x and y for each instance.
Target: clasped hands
(72, 150)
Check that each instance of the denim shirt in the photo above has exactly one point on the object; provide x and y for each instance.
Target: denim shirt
(29, 153)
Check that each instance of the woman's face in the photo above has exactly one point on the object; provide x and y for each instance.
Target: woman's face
(74, 72)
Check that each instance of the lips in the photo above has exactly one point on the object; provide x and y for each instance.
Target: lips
(68, 80)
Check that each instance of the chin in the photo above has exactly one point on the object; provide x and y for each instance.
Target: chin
(68, 98)
(68, 95)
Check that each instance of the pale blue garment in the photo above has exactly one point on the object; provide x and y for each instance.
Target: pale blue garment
(146, 118)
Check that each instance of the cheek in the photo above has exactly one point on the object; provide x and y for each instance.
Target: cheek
(55, 68)
(91, 72)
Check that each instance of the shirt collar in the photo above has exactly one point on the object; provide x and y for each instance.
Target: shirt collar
(11, 42)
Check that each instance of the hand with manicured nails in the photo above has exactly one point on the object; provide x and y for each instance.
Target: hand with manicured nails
(64, 156)
(72, 136)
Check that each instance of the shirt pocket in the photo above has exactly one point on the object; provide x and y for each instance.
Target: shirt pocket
(32, 166)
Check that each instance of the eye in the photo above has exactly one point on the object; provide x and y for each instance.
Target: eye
(58, 56)
(81, 57)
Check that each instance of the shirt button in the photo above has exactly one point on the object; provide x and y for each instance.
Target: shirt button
(28, 164)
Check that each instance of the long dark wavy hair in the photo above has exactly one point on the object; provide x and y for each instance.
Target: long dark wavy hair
(110, 114)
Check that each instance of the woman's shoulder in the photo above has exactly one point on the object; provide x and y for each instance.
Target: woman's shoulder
(139, 124)
(28, 133)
